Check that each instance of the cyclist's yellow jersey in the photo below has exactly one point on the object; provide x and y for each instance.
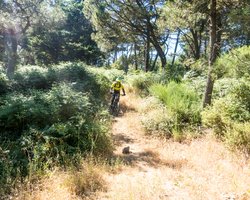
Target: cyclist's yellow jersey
(117, 86)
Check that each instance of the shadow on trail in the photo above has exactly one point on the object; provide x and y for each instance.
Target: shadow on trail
(121, 138)
(126, 108)
(151, 159)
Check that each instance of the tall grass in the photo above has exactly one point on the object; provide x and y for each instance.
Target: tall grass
(183, 103)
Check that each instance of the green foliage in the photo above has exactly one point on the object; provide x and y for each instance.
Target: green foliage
(4, 83)
(81, 77)
(31, 77)
(232, 107)
(235, 64)
(216, 117)
(229, 116)
(238, 137)
(182, 102)
(157, 119)
(121, 63)
(63, 35)
(52, 126)
(142, 81)
(110, 74)
(174, 73)
(194, 82)
(222, 87)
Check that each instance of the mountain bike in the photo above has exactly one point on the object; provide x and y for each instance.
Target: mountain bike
(115, 106)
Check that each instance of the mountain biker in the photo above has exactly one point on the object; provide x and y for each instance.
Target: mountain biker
(115, 89)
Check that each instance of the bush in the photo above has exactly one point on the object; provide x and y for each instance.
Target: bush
(142, 81)
(234, 64)
(216, 117)
(173, 73)
(238, 137)
(40, 109)
(197, 84)
(156, 119)
(234, 106)
(30, 77)
(181, 101)
(37, 137)
(229, 116)
(158, 122)
(4, 84)
(110, 74)
(50, 117)
(223, 87)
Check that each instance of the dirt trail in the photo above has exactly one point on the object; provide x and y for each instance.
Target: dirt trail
(157, 169)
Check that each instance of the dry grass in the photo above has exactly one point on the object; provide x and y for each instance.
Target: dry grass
(71, 184)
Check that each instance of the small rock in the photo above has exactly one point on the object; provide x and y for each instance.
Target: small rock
(125, 150)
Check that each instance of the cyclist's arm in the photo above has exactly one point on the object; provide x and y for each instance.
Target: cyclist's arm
(112, 87)
(123, 90)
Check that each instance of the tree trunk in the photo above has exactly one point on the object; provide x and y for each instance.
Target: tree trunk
(175, 49)
(115, 55)
(214, 47)
(154, 63)
(161, 54)
(157, 46)
(196, 44)
(147, 48)
(135, 52)
(146, 55)
(11, 50)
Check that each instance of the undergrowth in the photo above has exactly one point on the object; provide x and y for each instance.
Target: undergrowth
(50, 117)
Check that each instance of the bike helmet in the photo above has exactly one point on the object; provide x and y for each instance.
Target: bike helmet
(118, 79)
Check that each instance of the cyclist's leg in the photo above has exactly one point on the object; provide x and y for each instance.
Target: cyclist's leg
(112, 100)
(117, 97)
(117, 107)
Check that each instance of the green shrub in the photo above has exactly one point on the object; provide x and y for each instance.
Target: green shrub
(155, 117)
(223, 87)
(197, 84)
(110, 74)
(50, 118)
(142, 81)
(30, 77)
(71, 72)
(229, 116)
(6, 166)
(236, 63)
(61, 142)
(238, 137)
(40, 109)
(173, 73)
(181, 101)
(43, 130)
(19, 111)
(4, 84)
(158, 122)
(68, 102)
(216, 117)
